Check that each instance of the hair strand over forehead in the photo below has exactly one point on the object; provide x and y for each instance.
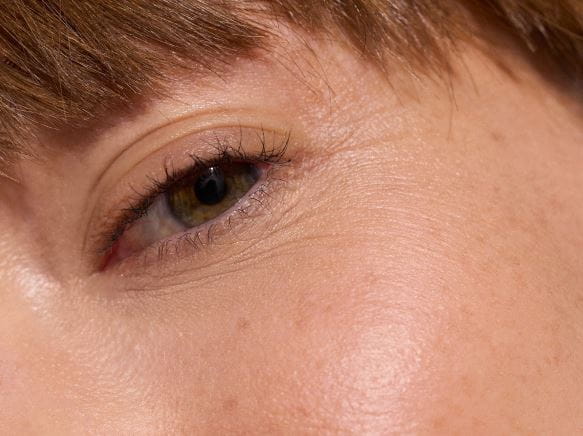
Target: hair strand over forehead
(62, 62)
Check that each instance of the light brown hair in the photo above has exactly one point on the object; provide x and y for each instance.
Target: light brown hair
(63, 62)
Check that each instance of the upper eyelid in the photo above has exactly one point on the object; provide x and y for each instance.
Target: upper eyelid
(224, 155)
(212, 119)
(239, 137)
(266, 154)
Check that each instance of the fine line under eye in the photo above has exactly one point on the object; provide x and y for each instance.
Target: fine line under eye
(191, 196)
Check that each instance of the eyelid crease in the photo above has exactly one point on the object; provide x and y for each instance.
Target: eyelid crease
(224, 153)
(210, 119)
(178, 130)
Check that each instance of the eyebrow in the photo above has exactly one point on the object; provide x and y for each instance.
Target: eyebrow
(64, 64)
(67, 66)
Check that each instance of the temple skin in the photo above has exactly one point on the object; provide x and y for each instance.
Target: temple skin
(418, 270)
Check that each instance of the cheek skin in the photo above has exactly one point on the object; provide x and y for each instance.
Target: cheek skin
(427, 281)
(432, 333)
(333, 357)
(435, 290)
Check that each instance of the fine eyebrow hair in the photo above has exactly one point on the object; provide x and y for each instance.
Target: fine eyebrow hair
(66, 63)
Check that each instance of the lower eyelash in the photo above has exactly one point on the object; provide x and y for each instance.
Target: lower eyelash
(195, 239)
(269, 155)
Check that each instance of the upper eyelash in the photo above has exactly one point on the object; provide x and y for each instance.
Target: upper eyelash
(225, 153)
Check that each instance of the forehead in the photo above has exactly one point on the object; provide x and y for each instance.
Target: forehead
(65, 63)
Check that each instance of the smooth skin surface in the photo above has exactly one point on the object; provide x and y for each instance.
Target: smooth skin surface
(416, 268)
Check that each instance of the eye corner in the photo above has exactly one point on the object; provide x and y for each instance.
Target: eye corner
(252, 193)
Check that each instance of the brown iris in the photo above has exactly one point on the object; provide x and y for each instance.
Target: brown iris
(211, 193)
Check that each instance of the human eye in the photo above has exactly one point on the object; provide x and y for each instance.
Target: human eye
(186, 207)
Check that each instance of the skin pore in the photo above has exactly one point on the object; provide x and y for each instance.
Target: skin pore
(414, 268)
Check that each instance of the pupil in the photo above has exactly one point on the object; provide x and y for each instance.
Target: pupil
(210, 188)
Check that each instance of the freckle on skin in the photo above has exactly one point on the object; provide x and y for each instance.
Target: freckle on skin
(230, 405)
(438, 423)
(467, 385)
(243, 324)
(497, 137)
(302, 411)
(300, 323)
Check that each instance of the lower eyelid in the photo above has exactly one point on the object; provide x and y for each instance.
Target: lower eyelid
(195, 237)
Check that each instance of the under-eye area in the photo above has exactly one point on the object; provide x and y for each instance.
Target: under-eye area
(190, 207)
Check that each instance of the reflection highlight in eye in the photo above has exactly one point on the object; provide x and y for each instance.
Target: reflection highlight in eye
(213, 192)
(188, 194)
(193, 201)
